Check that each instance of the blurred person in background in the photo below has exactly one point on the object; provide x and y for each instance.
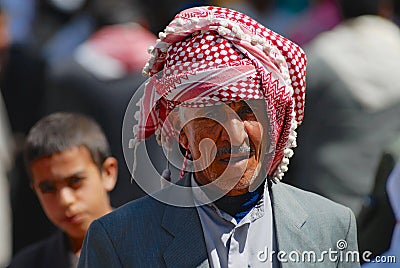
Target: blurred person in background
(320, 16)
(20, 15)
(54, 28)
(353, 103)
(6, 162)
(391, 257)
(277, 14)
(52, 31)
(376, 220)
(71, 171)
(299, 21)
(159, 13)
(6, 154)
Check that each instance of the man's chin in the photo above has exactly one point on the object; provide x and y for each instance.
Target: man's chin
(229, 186)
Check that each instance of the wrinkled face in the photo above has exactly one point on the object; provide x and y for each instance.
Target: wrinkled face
(72, 190)
(227, 143)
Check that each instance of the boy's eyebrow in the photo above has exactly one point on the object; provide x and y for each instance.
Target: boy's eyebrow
(76, 174)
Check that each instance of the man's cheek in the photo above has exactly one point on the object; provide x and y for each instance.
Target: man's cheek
(255, 133)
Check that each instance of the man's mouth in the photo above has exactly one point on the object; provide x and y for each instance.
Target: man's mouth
(235, 155)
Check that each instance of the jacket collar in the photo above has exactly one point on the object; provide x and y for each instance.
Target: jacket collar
(188, 247)
(290, 222)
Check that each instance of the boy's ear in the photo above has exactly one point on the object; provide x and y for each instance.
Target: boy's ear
(109, 173)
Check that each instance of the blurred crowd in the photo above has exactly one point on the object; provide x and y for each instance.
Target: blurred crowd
(86, 56)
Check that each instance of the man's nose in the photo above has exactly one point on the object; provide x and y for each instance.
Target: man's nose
(234, 130)
(66, 196)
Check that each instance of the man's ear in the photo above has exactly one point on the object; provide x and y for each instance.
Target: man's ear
(178, 128)
(109, 173)
(183, 140)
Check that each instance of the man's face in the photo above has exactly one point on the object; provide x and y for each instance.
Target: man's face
(72, 190)
(233, 133)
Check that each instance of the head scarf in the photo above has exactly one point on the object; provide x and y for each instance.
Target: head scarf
(185, 66)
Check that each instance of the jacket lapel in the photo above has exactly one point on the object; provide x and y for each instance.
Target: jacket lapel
(188, 248)
(290, 220)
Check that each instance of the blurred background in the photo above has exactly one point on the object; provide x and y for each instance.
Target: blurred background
(87, 55)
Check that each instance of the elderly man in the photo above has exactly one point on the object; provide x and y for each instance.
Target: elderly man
(230, 93)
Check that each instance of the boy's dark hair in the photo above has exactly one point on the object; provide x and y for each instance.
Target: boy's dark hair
(61, 131)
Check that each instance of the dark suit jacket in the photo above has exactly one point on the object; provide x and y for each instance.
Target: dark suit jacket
(50, 252)
(149, 233)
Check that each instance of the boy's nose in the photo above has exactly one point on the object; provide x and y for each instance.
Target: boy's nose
(66, 196)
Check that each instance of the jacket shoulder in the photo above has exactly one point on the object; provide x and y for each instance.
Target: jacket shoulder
(145, 207)
(131, 219)
(314, 203)
(321, 211)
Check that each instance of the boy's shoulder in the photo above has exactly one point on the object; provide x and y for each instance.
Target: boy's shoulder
(49, 252)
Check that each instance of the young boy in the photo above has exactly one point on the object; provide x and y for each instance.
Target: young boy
(68, 158)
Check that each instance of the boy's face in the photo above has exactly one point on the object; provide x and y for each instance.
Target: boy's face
(72, 190)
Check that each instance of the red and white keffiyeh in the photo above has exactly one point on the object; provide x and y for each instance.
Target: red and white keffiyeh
(213, 54)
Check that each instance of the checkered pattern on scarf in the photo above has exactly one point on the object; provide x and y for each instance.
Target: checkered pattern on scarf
(192, 54)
